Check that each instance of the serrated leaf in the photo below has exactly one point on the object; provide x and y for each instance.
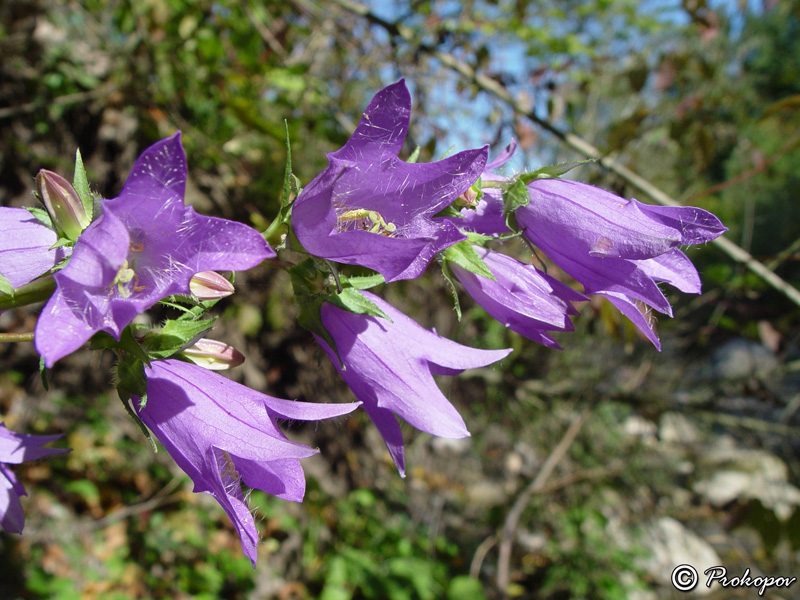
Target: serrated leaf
(81, 185)
(174, 336)
(450, 279)
(42, 216)
(363, 282)
(352, 300)
(464, 255)
(6, 287)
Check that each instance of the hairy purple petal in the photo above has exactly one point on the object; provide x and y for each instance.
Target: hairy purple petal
(389, 366)
(372, 209)
(16, 448)
(147, 245)
(223, 434)
(522, 298)
(25, 246)
(615, 247)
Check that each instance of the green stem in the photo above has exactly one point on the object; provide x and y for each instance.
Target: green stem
(16, 337)
(273, 228)
(36, 291)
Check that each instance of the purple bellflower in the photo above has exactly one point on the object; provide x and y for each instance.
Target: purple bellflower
(25, 246)
(522, 298)
(16, 448)
(223, 434)
(615, 247)
(389, 366)
(145, 246)
(372, 209)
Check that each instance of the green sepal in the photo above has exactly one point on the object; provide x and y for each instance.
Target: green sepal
(450, 279)
(552, 171)
(414, 155)
(464, 255)
(131, 378)
(43, 374)
(363, 282)
(62, 242)
(354, 301)
(125, 398)
(175, 336)
(127, 343)
(515, 196)
(81, 185)
(480, 239)
(286, 198)
(449, 211)
(6, 287)
(42, 216)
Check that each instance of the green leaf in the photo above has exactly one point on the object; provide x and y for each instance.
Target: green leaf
(174, 336)
(81, 185)
(464, 255)
(463, 586)
(6, 287)
(42, 216)
(414, 155)
(363, 282)
(352, 300)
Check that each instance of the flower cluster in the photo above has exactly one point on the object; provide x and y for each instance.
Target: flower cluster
(101, 262)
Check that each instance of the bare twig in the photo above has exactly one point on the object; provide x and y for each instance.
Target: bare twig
(557, 484)
(494, 87)
(534, 487)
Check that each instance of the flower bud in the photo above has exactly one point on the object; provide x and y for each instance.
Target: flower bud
(210, 285)
(63, 203)
(214, 355)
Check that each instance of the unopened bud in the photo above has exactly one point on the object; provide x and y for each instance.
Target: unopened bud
(210, 285)
(63, 203)
(214, 355)
(469, 199)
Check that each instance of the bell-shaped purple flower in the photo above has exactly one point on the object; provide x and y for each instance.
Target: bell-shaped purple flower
(25, 246)
(615, 247)
(389, 366)
(372, 209)
(16, 448)
(145, 246)
(521, 297)
(223, 434)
